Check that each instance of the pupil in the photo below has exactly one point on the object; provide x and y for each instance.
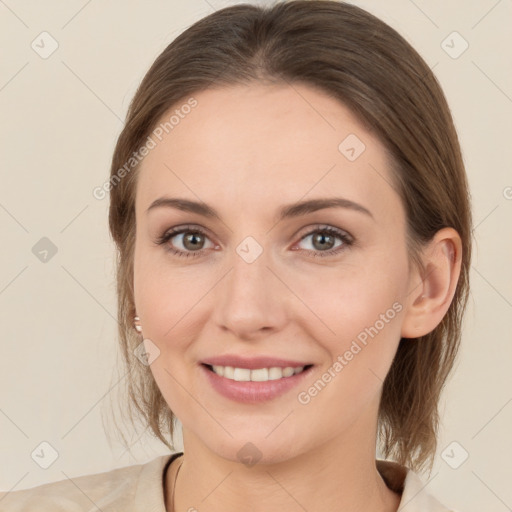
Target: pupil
(323, 236)
(192, 236)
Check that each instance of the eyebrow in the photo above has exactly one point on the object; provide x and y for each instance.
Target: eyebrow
(285, 212)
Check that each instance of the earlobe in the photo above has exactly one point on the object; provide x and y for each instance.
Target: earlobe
(431, 294)
(136, 324)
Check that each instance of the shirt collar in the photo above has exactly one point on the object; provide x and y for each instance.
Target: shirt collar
(404, 481)
(149, 494)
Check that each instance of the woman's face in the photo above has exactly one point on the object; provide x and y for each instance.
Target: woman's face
(257, 284)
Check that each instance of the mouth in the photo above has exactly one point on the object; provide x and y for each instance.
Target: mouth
(253, 385)
(256, 374)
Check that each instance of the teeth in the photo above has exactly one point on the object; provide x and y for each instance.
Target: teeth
(219, 370)
(241, 374)
(256, 375)
(259, 375)
(275, 373)
(288, 372)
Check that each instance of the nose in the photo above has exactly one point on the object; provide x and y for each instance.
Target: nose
(251, 301)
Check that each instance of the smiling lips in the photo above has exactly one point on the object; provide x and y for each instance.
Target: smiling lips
(256, 369)
(253, 379)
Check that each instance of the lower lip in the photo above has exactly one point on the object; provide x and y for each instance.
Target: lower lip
(252, 392)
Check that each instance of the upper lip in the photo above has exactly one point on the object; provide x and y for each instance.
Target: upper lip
(252, 363)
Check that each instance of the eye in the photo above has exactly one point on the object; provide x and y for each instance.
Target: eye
(192, 242)
(323, 240)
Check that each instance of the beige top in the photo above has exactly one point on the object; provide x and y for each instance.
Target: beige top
(139, 488)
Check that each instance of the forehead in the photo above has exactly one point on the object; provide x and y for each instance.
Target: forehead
(252, 144)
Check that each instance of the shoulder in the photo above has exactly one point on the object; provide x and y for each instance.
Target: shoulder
(112, 490)
(415, 492)
(415, 496)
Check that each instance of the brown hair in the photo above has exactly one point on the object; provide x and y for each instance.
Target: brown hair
(353, 56)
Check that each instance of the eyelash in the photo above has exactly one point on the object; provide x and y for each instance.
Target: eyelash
(346, 239)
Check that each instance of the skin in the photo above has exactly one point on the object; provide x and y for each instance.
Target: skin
(246, 151)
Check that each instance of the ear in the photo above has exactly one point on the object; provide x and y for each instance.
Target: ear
(430, 294)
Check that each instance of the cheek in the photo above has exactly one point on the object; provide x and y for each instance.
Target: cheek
(341, 306)
(356, 314)
(166, 307)
(172, 303)
(359, 331)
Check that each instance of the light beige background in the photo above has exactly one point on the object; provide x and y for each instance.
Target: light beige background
(60, 120)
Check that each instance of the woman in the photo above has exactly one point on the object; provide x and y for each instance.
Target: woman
(292, 216)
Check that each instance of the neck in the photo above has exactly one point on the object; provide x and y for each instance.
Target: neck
(340, 474)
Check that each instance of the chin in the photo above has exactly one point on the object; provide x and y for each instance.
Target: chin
(258, 449)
